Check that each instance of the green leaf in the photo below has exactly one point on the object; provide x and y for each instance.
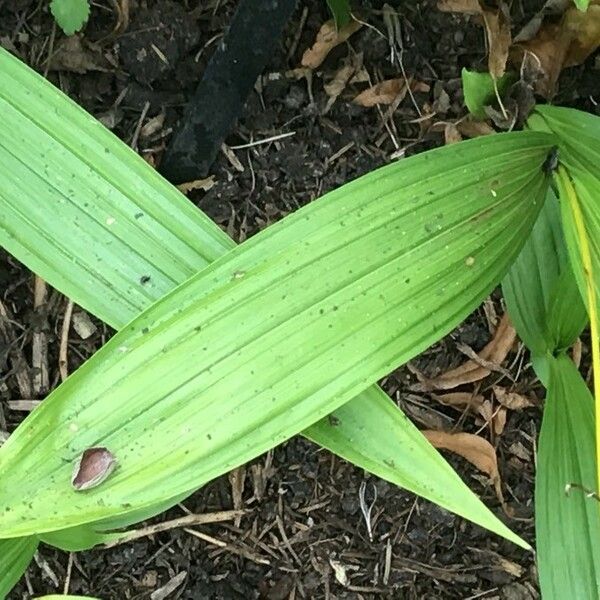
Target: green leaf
(540, 290)
(579, 190)
(582, 5)
(578, 135)
(279, 332)
(70, 15)
(567, 525)
(377, 432)
(15, 556)
(340, 10)
(81, 144)
(479, 91)
(107, 203)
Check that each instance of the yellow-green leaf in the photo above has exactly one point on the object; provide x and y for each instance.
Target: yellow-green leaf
(279, 332)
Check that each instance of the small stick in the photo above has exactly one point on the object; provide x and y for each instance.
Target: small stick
(39, 345)
(68, 577)
(268, 140)
(63, 362)
(367, 509)
(188, 520)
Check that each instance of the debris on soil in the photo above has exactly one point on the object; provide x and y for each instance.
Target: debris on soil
(497, 27)
(558, 45)
(327, 39)
(389, 91)
(479, 366)
(473, 448)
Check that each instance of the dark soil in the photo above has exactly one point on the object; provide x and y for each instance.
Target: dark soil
(305, 518)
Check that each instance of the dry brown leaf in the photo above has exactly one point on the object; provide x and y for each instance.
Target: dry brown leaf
(388, 92)
(497, 29)
(499, 421)
(384, 92)
(341, 78)
(475, 449)
(451, 134)
(467, 7)
(460, 400)
(72, 54)
(495, 352)
(470, 128)
(199, 184)
(327, 38)
(511, 400)
(560, 45)
(510, 567)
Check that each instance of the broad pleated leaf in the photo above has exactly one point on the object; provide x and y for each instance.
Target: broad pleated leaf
(540, 290)
(567, 525)
(398, 453)
(15, 555)
(279, 332)
(105, 201)
(455, 497)
(578, 135)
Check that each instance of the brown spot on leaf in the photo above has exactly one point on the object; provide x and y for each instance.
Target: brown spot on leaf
(92, 468)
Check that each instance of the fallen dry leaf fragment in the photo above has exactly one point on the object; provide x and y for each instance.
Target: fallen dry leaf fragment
(557, 46)
(328, 38)
(494, 353)
(451, 134)
(470, 128)
(460, 400)
(499, 420)
(497, 29)
(72, 54)
(92, 468)
(388, 91)
(199, 184)
(341, 78)
(478, 451)
(511, 400)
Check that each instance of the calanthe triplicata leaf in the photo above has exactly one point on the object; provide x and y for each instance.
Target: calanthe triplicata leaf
(279, 332)
(15, 555)
(81, 145)
(567, 522)
(540, 286)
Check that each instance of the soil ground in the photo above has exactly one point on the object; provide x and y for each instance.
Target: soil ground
(304, 519)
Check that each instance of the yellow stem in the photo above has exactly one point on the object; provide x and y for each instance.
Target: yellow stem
(586, 260)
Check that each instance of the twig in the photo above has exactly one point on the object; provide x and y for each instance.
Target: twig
(202, 519)
(268, 140)
(68, 577)
(138, 127)
(63, 361)
(367, 509)
(298, 33)
(39, 345)
(241, 551)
